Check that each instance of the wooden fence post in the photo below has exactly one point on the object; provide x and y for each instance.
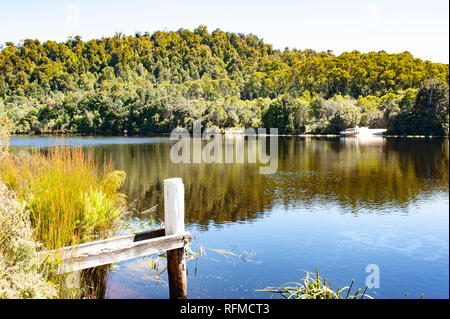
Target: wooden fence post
(174, 224)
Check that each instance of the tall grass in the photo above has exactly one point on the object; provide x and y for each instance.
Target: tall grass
(71, 198)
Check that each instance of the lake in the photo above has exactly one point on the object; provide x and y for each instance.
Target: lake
(336, 204)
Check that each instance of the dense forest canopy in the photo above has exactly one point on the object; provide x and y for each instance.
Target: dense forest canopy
(152, 83)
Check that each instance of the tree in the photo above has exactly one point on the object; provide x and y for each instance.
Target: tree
(433, 98)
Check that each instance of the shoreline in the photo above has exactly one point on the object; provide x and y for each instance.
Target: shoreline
(168, 134)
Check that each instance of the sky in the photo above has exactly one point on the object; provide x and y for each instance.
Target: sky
(418, 26)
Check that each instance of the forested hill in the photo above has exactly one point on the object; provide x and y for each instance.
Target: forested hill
(256, 68)
(133, 82)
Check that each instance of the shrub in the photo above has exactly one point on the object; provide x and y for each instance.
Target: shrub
(4, 135)
(415, 123)
(21, 273)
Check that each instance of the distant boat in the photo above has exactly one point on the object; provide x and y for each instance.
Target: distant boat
(353, 131)
(363, 132)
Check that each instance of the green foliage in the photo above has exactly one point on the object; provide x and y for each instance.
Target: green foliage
(413, 122)
(21, 274)
(427, 115)
(287, 114)
(5, 128)
(314, 287)
(152, 83)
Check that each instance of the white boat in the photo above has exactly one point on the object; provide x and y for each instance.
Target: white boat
(350, 131)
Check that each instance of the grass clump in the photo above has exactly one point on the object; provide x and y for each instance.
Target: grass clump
(70, 198)
(314, 287)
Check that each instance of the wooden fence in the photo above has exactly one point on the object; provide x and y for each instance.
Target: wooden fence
(172, 238)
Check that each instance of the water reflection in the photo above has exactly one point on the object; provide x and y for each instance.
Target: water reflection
(308, 207)
(214, 192)
(389, 172)
(360, 176)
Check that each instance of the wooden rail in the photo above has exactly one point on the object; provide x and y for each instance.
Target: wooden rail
(118, 249)
(172, 239)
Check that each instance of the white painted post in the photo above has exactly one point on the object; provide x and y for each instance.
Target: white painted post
(174, 224)
(173, 206)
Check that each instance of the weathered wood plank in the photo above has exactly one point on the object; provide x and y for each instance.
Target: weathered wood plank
(106, 243)
(118, 249)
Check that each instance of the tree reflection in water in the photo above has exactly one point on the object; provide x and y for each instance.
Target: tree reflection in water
(358, 175)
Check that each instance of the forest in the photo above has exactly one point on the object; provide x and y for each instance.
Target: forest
(153, 83)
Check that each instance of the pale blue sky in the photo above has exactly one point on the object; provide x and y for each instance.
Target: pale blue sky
(418, 26)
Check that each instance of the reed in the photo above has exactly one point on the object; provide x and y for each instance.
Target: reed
(71, 198)
(312, 286)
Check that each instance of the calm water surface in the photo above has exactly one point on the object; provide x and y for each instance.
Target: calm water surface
(336, 204)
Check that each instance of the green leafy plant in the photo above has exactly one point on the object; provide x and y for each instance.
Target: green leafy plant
(314, 287)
